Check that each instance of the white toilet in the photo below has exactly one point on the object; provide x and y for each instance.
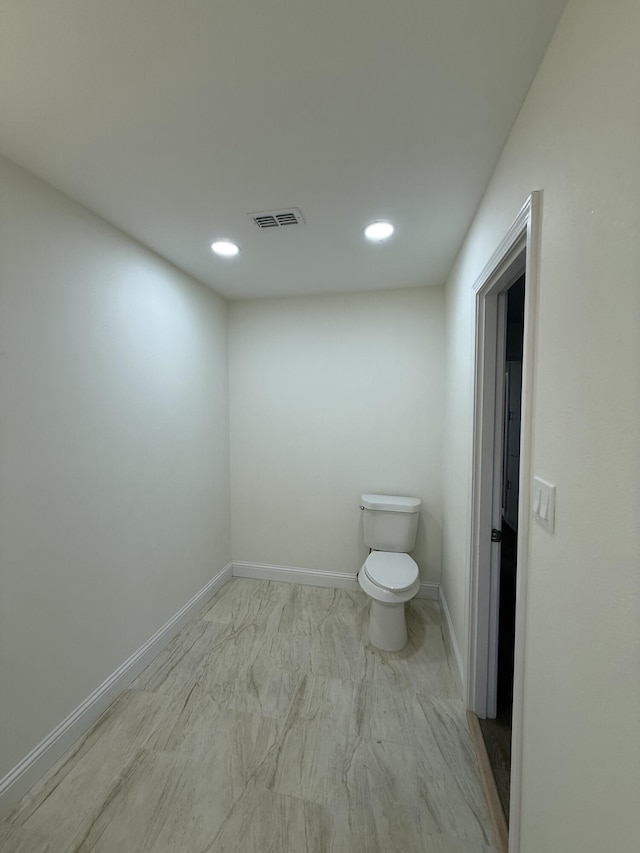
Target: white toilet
(389, 576)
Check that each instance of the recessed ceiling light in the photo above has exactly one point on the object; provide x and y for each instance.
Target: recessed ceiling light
(225, 248)
(379, 230)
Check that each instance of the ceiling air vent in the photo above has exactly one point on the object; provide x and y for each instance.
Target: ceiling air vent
(277, 218)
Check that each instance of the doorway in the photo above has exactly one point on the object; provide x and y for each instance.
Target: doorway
(497, 730)
(491, 534)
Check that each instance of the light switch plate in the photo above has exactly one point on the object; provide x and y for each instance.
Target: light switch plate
(544, 503)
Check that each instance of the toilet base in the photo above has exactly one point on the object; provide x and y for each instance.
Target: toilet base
(387, 626)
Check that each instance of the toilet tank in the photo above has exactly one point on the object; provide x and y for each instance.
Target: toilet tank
(390, 522)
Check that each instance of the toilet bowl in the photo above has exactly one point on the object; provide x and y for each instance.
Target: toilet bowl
(390, 580)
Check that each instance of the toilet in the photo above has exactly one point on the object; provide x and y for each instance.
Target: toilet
(389, 576)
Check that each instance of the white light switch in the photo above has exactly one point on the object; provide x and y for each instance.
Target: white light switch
(544, 503)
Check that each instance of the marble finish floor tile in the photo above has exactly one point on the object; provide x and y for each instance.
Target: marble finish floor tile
(378, 826)
(265, 822)
(269, 724)
(422, 664)
(245, 600)
(307, 762)
(385, 711)
(60, 807)
(306, 608)
(184, 658)
(448, 780)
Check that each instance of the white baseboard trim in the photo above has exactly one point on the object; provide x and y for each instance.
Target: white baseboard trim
(453, 648)
(315, 577)
(429, 590)
(291, 574)
(42, 758)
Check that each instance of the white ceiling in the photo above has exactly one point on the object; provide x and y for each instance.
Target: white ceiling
(173, 119)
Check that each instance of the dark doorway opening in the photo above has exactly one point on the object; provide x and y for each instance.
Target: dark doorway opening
(497, 732)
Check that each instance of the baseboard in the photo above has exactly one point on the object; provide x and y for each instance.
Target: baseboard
(25, 774)
(453, 648)
(291, 574)
(315, 577)
(429, 590)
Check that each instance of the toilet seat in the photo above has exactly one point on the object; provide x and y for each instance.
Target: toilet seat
(390, 579)
(391, 570)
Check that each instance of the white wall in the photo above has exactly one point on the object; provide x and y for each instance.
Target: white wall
(577, 140)
(113, 452)
(332, 397)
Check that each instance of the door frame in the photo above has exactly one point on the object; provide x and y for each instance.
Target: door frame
(519, 250)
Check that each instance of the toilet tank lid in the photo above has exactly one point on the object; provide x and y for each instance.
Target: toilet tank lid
(391, 503)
